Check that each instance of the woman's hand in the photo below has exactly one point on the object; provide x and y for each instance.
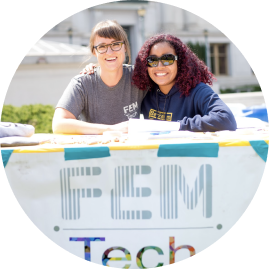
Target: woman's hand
(123, 127)
(89, 69)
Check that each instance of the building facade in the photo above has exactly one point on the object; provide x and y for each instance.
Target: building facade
(140, 19)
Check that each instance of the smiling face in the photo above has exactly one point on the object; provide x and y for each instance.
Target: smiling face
(110, 60)
(163, 76)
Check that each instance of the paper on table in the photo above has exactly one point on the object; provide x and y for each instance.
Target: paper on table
(150, 129)
(245, 122)
(137, 126)
(178, 134)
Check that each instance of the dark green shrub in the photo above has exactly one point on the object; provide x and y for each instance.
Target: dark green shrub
(246, 88)
(198, 49)
(40, 116)
(256, 88)
(227, 91)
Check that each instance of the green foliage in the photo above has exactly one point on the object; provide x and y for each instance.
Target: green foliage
(228, 90)
(256, 88)
(198, 49)
(40, 116)
(247, 88)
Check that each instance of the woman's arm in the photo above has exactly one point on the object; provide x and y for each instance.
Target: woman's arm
(215, 114)
(64, 122)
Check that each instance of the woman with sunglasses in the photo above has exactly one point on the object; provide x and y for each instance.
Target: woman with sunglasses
(176, 80)
(106, 99)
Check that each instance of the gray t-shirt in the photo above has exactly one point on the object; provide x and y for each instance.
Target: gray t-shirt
(87, 97)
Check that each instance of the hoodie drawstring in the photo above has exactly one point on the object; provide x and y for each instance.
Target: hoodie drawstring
(165, 108)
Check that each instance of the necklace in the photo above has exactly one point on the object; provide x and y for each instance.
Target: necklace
(158, 102)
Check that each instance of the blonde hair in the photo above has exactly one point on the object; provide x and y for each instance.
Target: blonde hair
(110, 29)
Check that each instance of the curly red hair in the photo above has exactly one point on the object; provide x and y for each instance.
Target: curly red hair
(191, 70)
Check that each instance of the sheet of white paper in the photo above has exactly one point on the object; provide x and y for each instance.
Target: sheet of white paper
(178, 134)
(245, 122)
(138, 125)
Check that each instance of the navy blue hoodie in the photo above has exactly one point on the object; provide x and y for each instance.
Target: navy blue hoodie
(201, 111)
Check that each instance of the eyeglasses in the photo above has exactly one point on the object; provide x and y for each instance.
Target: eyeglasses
(166, 59)
(114, 46)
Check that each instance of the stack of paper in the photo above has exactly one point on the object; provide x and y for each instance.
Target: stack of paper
(138, 126)
(151, 129)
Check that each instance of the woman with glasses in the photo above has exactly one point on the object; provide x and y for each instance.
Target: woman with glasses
(106, 99)
(176, 80)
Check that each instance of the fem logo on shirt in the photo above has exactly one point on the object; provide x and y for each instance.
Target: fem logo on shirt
(131, 110)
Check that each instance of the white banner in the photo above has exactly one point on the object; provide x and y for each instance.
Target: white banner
(135, 208)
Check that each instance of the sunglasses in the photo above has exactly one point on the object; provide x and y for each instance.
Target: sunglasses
(166, 59)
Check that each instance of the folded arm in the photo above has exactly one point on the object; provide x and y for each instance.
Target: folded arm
(64, 122)
(214, 114)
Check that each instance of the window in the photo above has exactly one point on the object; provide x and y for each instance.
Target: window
(218, 58)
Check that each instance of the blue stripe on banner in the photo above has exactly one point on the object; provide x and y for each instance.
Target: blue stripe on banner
(261, 148)
(6, 155)
(85, 153)
(189, 150)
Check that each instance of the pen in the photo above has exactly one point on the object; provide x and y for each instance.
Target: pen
(161, 133)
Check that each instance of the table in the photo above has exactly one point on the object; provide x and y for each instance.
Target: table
(143, 204)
